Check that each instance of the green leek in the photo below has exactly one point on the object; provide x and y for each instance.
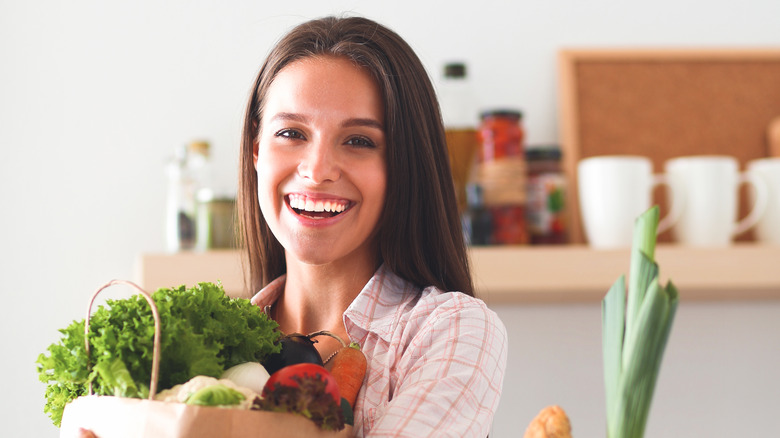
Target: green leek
(635, 328)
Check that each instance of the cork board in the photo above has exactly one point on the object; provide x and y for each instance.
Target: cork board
(664, 104)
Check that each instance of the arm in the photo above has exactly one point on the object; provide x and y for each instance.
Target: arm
(305, 432)
(449, 376)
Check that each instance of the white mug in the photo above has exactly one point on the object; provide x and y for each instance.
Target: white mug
(613, 191)
(705, 190)
(768, 227)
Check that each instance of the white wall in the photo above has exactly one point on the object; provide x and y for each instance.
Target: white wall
(719, 376)
(94, 95)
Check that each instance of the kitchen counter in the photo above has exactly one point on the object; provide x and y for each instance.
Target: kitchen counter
(517, 274)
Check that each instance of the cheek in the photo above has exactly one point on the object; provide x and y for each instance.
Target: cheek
(378, 188)
(266, 183)
(381, 189)
(262, 193)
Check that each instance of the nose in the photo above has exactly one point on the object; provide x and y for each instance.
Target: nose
(320, 163)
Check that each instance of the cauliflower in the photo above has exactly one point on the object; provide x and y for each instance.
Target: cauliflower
(181, 393)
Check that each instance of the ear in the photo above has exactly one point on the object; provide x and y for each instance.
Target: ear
(255, 148)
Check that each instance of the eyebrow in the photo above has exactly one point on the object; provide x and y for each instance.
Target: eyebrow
(369, 123)
(290, 116)
(349, 123)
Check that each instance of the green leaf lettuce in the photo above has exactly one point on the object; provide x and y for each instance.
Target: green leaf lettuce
(203, 332)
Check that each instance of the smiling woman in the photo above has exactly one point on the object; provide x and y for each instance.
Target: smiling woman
(350, 225)
(321, 143)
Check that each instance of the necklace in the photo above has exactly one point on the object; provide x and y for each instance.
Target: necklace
(330, 357)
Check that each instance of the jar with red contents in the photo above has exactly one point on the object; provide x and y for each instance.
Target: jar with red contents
(501, 172)
(545, 202)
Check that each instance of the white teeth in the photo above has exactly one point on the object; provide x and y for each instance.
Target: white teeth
(300, 202)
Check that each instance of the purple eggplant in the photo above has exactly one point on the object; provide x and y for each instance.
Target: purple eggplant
(296, 348)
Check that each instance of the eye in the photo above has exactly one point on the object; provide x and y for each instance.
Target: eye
(361, 142)
(289, 133)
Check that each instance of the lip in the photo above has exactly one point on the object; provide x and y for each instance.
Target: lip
(318, 223)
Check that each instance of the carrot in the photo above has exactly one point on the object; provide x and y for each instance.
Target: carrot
(348, 367)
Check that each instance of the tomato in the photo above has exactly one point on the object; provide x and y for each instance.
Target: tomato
(293, 376)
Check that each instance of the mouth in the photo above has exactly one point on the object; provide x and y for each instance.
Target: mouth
(313, 208)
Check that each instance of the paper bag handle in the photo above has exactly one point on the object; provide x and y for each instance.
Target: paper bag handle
(156, 348)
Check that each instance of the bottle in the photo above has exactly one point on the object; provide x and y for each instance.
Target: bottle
(199, 164)
(501, 172)
(188, 190)
(546, 190)
(460, 116)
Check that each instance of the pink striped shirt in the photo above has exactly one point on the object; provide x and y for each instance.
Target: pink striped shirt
(436, 360)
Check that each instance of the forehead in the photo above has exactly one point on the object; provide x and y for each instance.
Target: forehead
(325, 81)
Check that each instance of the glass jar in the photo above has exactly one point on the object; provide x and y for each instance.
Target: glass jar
(545, 202)
(502, 135)
(501, 172)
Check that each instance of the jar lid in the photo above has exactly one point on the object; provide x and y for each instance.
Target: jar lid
(508, 113)
(551, 153)
(455, 70)
(199, 147)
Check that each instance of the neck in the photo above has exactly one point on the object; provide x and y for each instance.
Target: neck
(316, 296)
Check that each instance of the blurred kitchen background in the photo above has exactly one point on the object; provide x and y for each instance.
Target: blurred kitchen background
(95, 97)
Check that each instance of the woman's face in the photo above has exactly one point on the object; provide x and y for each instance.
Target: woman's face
(321, 161)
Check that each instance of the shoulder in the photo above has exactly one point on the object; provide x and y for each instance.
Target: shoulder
(436, 309)
(428, 307)
(400, 312)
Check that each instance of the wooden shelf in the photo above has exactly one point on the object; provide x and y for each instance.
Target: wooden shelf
(579, 273)
(572, 273)
(156, 270)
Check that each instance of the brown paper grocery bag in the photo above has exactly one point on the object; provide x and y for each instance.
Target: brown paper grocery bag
(118, 417)
(121, 417)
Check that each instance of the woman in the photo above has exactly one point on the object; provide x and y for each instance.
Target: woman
(350, 224)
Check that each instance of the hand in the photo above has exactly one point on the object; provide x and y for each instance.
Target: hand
(84, 433)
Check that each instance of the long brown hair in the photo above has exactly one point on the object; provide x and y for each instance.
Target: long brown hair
(420, 234)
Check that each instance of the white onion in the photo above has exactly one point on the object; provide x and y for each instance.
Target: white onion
(251, 375)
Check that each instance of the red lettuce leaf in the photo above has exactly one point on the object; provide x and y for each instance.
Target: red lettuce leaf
(309, 399)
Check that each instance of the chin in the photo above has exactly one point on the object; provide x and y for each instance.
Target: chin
(312, 259)
(312, 254)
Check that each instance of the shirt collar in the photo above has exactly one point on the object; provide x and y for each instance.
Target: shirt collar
(375, 309)
(270, 293)
(380, 304)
